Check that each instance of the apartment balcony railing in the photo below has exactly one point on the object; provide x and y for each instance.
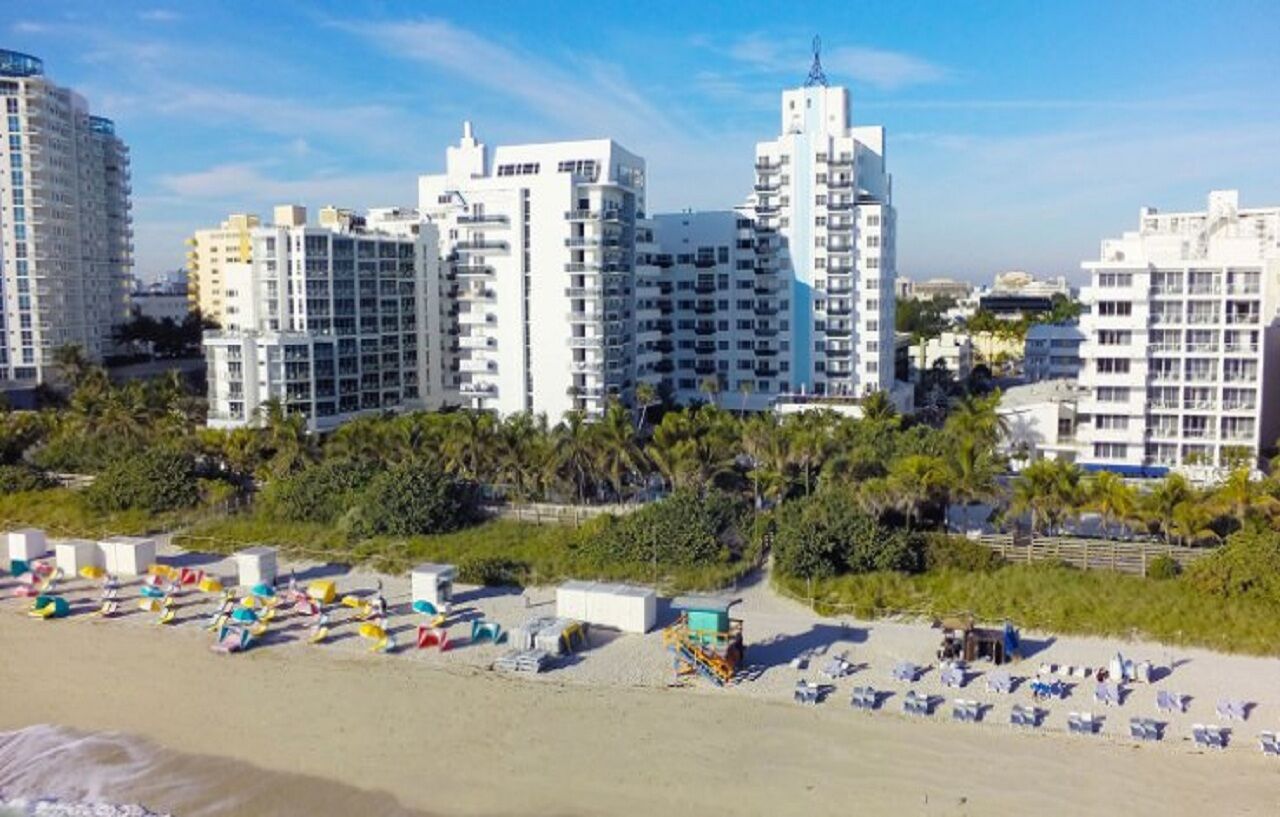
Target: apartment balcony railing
(481, 246)
(768, 167)
(482, 219)
(472, 269)
(1166, 290)
(763, 208)
(1246, 319)
(1202, 347)
(1237, 436)
(1201, 320)
(1244, 289)
(1199, 405)
(1198, 434)
(582, 215)
(840, 161)
(704, 287)
(586, 343)
(1204, 289)
(1240, 378)
(1236, 405)
(767, 187)
(840, 184)
(1166, 347)
(1241, 348)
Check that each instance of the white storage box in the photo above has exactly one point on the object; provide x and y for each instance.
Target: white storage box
(434, 584)
(256, 565)
(74, 554)
(635, 609)
(602, 605)
(571, 600)
(27, 544)
(127, 555)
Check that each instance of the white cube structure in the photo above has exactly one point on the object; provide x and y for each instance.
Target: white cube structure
(571, 600)
(256, 565)
(434, 584)
(74, 554)
(27, 544)
(618, 606)
(127, 555)
(635, 609)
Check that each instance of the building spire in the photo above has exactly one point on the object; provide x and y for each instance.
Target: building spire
(816, 75)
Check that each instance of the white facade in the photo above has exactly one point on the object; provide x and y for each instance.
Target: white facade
(330, 321)
(538, 243)
(952, 351)
(1180, 357)
(825, 240)
(706, 323)
(65, 229)
(1017, 282)
(1052, 352)
(1040, 421)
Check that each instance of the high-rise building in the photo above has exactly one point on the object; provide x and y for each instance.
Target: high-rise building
(706, 322)
(330, 321)
(538, 243)
(208, 251)
(66, 249)
(1180, 360)
(825, 240)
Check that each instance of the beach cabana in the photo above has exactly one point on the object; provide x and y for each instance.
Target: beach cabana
(127, 555)
(433, 584)
(73, 555)
(26, 544)
(256, 565)
(49, 607)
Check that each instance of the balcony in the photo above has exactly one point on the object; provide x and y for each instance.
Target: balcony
(469, 270)
(1204, 319)
(704, 329)
(1242, 318)
(481, 246)
(704, 308)
(766, 331)
(582, 215)
(766, 370)
(482, 218)
(476, 318)
(765, 310)
(767, 187)
(704, 348)
(1204, 289)
(765, 167)
(704, 287)
(477, 342)
(586, 343)
(477, 366)
(478, 389)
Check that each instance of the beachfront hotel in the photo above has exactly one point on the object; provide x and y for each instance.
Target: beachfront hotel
(706, 323)
(329, 320)
(208, 250)
(1180, 357)
(824, 223)
(538, 248)
(65, 230)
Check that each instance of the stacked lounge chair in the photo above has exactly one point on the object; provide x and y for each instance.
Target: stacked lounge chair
(865, 698)
(528, 661)
(1269, 744)
(1082, 723)
(906, 671)
(966, 711)
(807, 693)
(1171, 701)
(1208, 737)
(1144, 729)
(999, 681)
(916, 704)
(1027, 716)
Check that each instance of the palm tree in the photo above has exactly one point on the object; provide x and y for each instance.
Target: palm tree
(745, 388)
(1162, 502)
(646, 395)
(810, 442)
(1190, 523)
(915, 480)
(523, 453)
(469, 445)
(1241, 496)
(710, 386)
(573, 454)
(878, 408)
(1047, 489)
(72, 363)
(764, 441)
(286, 436)
(1112, 498)
(617, 451)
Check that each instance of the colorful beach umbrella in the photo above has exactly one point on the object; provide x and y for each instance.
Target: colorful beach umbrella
(263, 591)
(92, 572)
(244, 614)
(372, 631)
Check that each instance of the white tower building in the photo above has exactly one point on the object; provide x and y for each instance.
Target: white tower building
(538, 243)
(331, 321)
(825, 227)
(1180, 357)
(65, 230)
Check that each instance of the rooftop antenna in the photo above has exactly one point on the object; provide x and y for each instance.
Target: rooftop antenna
(816, 75)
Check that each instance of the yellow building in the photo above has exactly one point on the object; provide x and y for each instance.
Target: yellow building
(207, 252)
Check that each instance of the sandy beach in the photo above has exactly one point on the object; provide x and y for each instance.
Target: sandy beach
(340, 731)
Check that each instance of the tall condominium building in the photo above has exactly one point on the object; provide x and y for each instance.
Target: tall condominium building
(706, 322)
(208, 251)
(65, 230)
(538, 243)
(1052, 352)
(1180, 359)
(328, 320)
(825, 244)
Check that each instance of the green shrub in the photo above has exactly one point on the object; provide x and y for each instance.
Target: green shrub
(957, 553)
(684, 529)
(414, 499)
(158, 479)
(84, 453)
(1247, 565)
(17, 478)
(321, 493)
(826, 534)
(491, 570)
(1163, 567)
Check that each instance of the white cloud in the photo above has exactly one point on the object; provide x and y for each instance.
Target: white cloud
(29, 27)
(878, 67)
(159, 16)
(246, 184)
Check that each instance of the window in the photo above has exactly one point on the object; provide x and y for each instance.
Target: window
(1111, 422)
(1115, 308)
(1113, 365)
(1110, 450)
(1114, 337)
(1112, 394)
(1115, 279)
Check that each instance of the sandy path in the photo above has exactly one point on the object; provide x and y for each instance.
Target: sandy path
(453, 740)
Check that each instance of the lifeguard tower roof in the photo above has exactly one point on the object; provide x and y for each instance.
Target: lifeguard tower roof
(710, 604)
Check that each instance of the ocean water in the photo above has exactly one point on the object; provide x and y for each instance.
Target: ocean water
(59, 772)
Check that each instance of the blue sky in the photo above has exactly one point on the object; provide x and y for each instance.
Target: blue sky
(1019, 134)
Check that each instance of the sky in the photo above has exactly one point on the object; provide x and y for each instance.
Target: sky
(1019, 134)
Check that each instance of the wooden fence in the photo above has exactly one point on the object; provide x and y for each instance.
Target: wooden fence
(550, 514)
(1088, 554)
